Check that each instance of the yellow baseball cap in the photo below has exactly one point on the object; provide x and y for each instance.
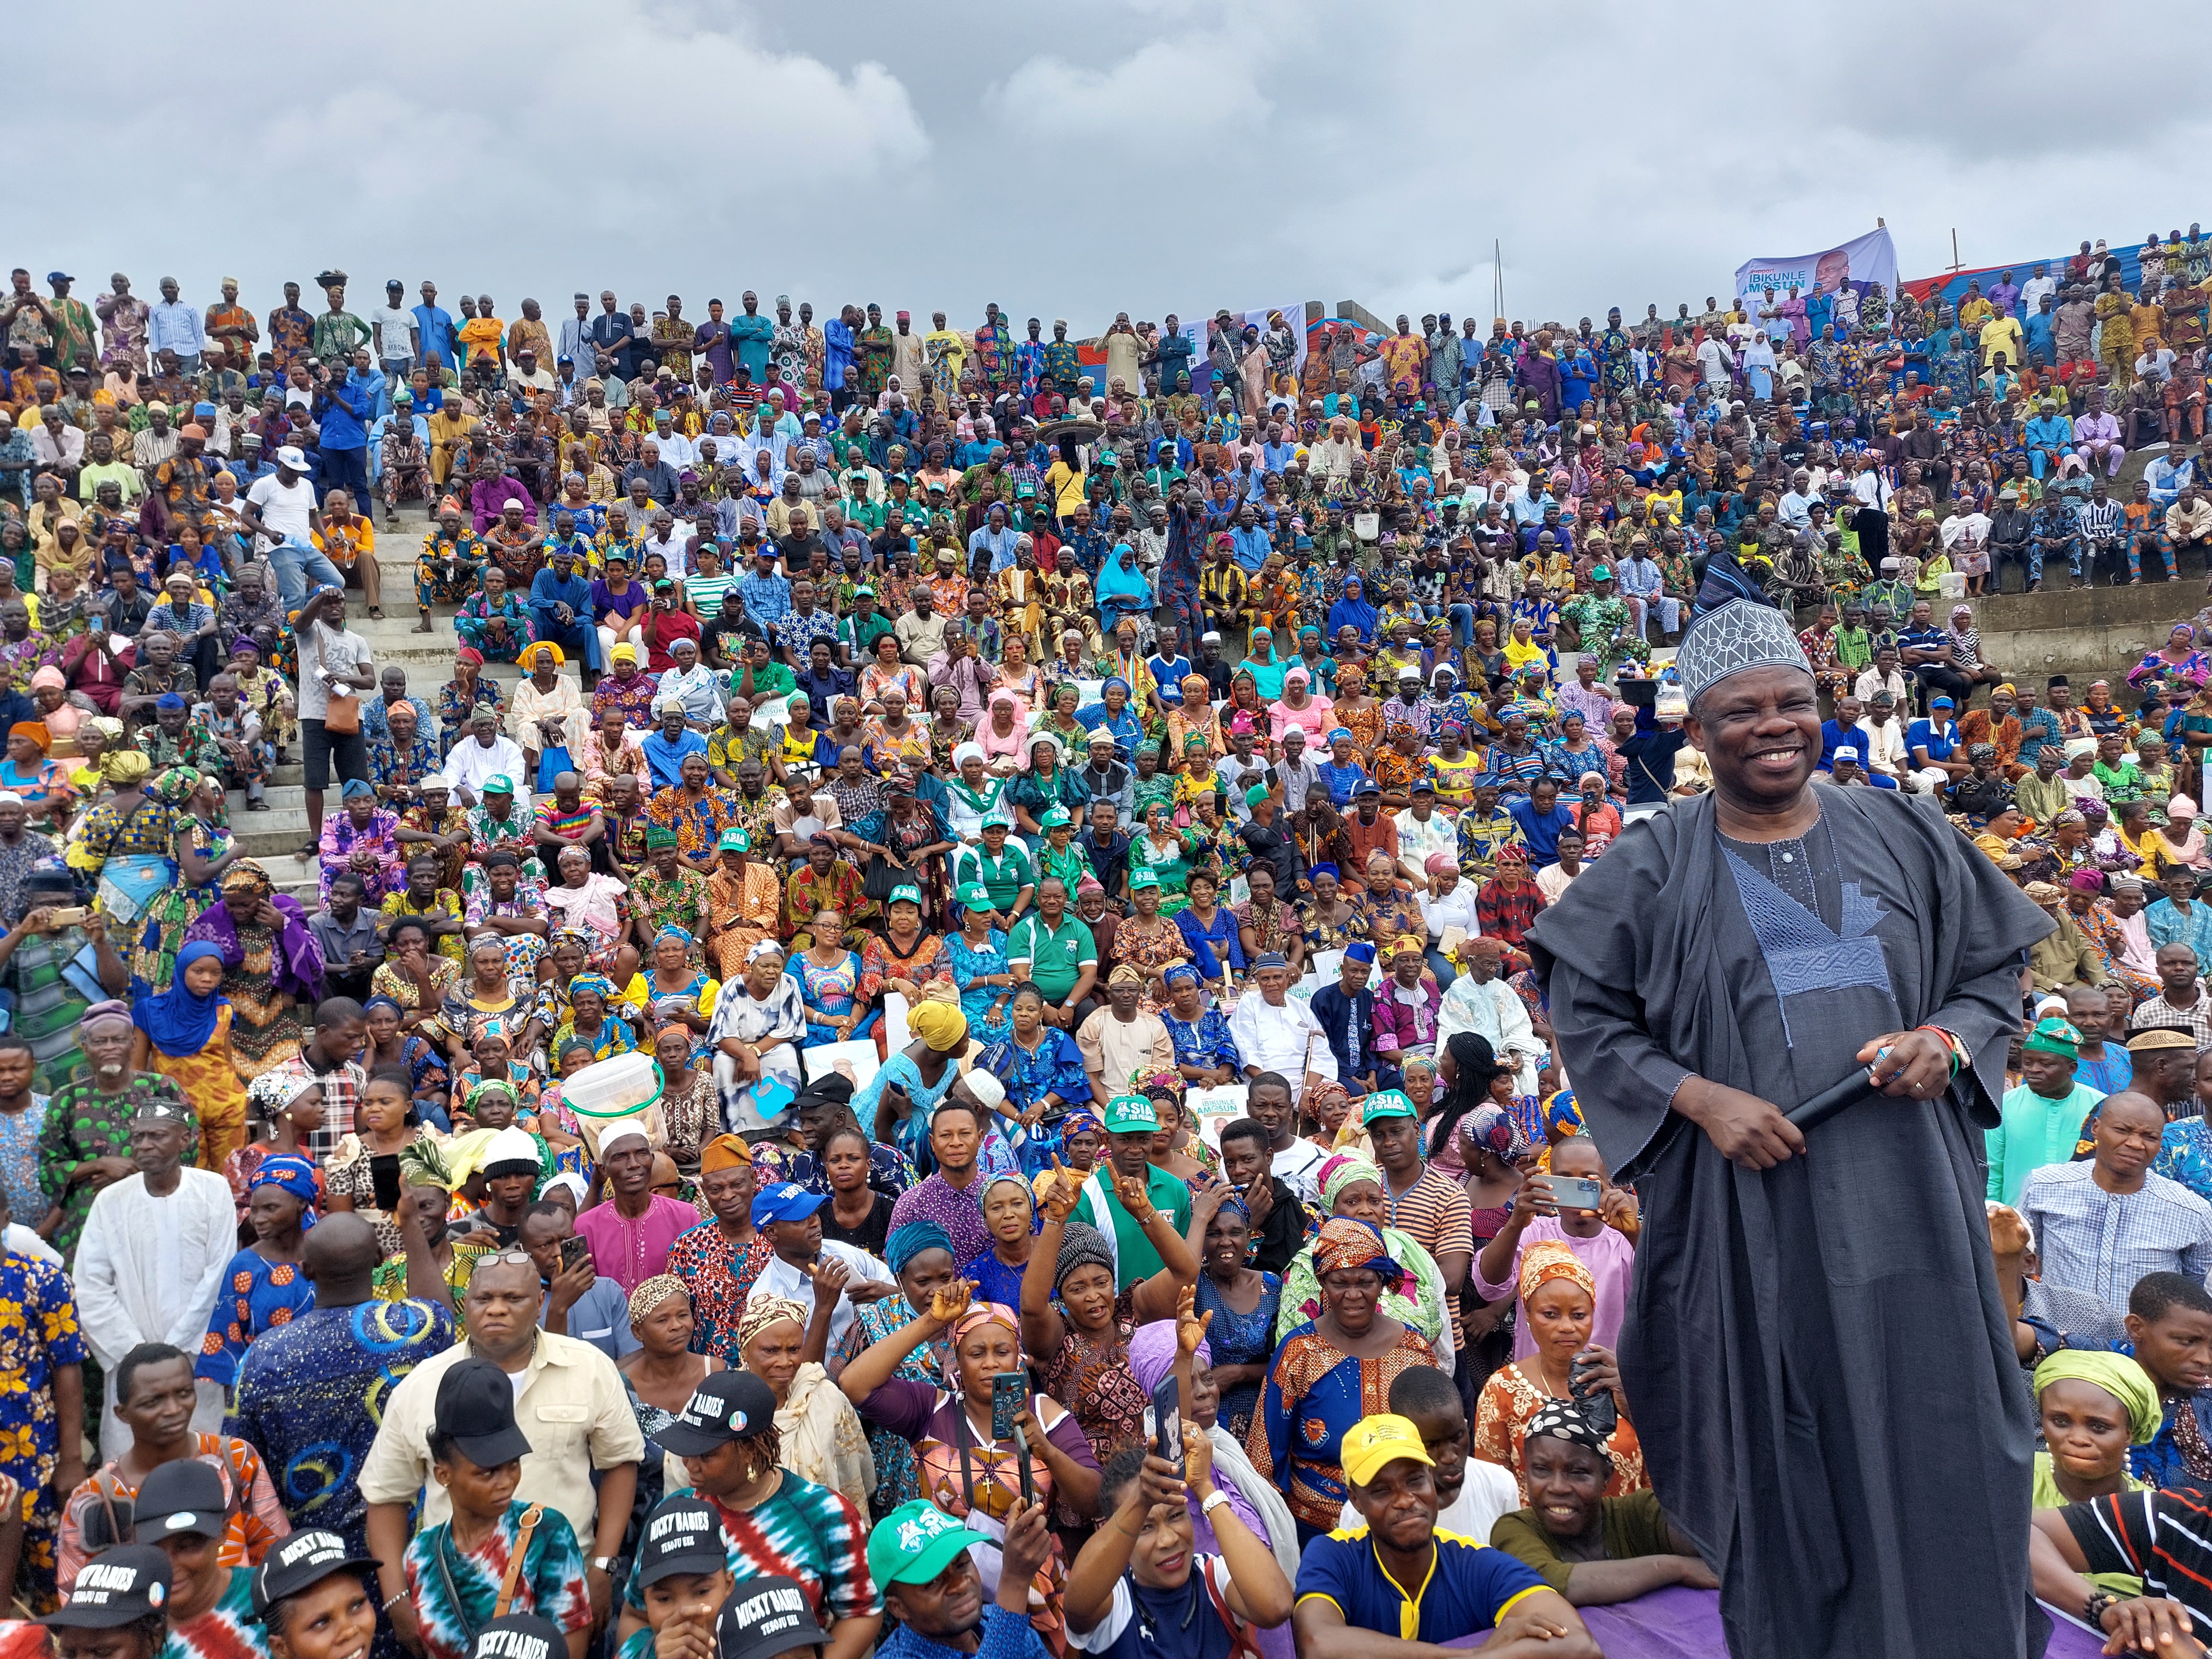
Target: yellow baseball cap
(1375, 1441)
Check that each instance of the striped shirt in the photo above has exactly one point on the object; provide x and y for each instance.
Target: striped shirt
(2102, 1242)
(2163, 1538)
(454, 1589)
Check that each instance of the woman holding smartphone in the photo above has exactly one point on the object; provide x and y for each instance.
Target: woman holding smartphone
(1595, 1234)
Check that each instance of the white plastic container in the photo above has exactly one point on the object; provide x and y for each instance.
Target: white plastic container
(620, 1087)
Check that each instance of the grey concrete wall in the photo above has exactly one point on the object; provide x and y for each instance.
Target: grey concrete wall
(2084, 633)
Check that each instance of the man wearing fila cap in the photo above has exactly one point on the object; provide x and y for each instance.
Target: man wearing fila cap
(773, 1524)
(630, 1233)
(2040, 1117)
(920, 1556)
(788, 1217)
(1350, 1598)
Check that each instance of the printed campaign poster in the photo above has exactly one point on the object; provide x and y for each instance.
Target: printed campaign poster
(1862, 260)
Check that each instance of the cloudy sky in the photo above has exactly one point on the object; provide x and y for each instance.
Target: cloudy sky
(1140, 154)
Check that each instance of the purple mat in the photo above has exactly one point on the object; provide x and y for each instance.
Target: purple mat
(1686, 1624)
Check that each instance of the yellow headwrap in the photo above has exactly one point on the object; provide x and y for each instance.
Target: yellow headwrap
(2118, 1376)
(124, 766)
(939, 1025)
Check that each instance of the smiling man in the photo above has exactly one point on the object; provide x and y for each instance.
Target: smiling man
(1751, 948)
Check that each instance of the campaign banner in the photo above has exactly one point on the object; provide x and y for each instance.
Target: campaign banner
(1860, 262)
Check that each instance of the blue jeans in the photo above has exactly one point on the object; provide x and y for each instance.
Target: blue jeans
(1462, 622)
(295, 562)
(1440, 965)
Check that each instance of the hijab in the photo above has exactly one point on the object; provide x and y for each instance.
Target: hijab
(1352, 612)
(175, 1021)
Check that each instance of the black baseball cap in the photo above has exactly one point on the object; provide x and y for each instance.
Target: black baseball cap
(765, 1616)
(299, 1563)
(114, 1587)
(185, 1496)
(725, 1407)
(476, 1407)
(681, 1535)
(520, 1635)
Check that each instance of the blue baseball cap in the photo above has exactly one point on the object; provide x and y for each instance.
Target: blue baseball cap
(785, 1201)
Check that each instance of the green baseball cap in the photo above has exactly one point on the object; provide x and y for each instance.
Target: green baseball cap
(1126, 1114)
(1600, 572)
(1138, 878)
(914, 1543)
(1387, 1103)
(502, 785)
(905, 893)
(973, 894)
(1054, 816)
(735, 839)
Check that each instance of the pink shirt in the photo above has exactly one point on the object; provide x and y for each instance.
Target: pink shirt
(1610, 1258)
(1316, 719)
(630, 1252)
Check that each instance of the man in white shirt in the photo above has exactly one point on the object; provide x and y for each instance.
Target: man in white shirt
(1423, 832)
(2032, 290)
(1716, 359)
(786, 1215)
(281, 509)
(1883, 750)
(331, 660)
(1277, 1032)
(394, 330)
(484, 758)
(157, 1244)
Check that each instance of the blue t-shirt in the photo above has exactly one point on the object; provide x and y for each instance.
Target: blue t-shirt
(1469, 1589)
(1540, 830)
(1939, 743)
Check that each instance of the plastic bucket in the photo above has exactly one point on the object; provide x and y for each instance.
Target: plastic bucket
(621, 1087)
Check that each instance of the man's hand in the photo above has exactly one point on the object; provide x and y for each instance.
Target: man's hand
(829, 1276)
(1910, 1065)
(1750, 1132)
(681, 1640)
(1135, 1198)
(600, 1587)
(569, 1285)
(2150, 1624)
(1259, 1199)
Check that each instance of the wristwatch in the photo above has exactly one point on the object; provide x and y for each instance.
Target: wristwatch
(1214, 1501)
(603, 1563)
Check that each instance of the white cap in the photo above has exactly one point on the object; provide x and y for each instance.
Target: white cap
(1847, 753)
(615, 1133)
(511, 1145)
(289, 456)
(987, 1089)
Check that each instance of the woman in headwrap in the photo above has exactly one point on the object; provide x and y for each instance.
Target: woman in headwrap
(1009, 1216)
(1193, 725)
(184, 1033)
(1077, 1326)
(262, 1287)
(976, 956)
(1559, 1300)
(1124, 594)
(288, 1100)
(1116, 713)
(1354, 613)
(1326, 1372)
(272, 964)
(2092, 1406)
(962, 1468)
(125, 841)
(662, 1371)
(1353, 1186)
(1594, 1550)
(895, 1105)
(29, 770)
(921, 1258)
(759, 1025)
(203, 849)
(820, 1433)
(669, 992)
(1241, 1303)
(592, 1019)
(87, 774)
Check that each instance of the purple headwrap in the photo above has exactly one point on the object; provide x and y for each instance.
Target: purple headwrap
(298, 959)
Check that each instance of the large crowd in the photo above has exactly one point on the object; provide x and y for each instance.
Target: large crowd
(1064, 822)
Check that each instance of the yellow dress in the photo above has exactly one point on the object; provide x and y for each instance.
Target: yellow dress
(210, 1080)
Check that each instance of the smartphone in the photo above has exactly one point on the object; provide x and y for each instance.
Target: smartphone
(1574, 1192)
(1598, 1407)
(1029, 1479)
(574, 1250)
(69, 915)
(1009, 1391)
(1167, 1421)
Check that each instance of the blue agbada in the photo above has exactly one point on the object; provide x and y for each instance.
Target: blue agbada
(577, 637)
(1846, 1512)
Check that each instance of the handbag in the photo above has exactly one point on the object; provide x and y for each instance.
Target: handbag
(342, 715)
(878, 876)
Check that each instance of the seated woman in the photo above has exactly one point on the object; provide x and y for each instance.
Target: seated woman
(1205, 921)
(390, 1047)
(961, 1467)
(818, 1433)
(1326, 1372)
(492, 1063)
(1594, 1550)
(672, 994)
(830, 981)
(1205, 1052)
(591, 1020)
(1039, 1064)
(2092, 1407)
(1352, 1188)
(1558, 1298)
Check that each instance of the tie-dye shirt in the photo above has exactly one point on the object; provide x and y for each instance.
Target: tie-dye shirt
(453, 1590)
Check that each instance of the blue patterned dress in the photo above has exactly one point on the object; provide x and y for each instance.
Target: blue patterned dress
(968, 965)
(1235, 1339)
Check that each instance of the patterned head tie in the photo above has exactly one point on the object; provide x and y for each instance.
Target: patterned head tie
(1740, 635)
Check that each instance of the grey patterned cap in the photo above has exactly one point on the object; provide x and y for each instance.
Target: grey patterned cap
(1740, 635)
